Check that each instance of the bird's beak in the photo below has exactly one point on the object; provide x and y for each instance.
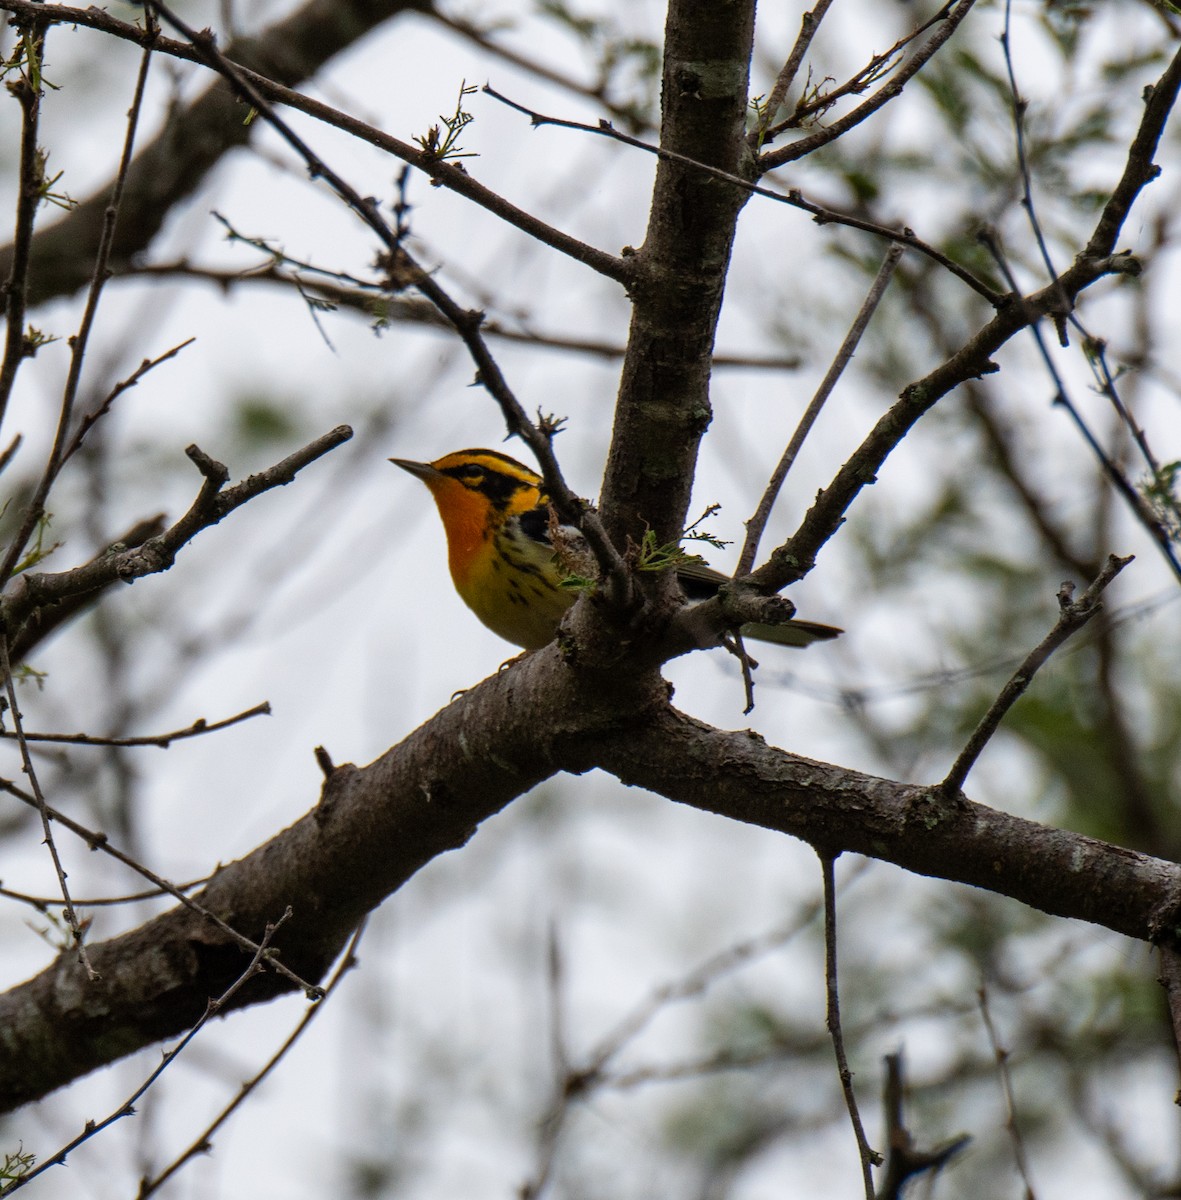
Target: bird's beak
(424, 471)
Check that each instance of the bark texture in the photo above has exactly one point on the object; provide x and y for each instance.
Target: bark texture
(374, 827)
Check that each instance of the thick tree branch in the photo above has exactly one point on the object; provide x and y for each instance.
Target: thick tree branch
(738, 775)
(663, 406)
(374, 827)
(372, 830)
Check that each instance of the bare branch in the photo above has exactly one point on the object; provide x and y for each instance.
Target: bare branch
(1139, 170)
(35, 508)
(1074, 615)
(127, 1108)
(1170, 980)
(31, 592)
(873, 70)
(207, 116)
(198, 728)
(372, 830)
(30, 193)
(1001, 1055)
(44, 903)
(100, 842)
(918, 828)
(374, 302)
(793, 198)
(867, 1155)
(579, 1081)
(796, 557)
(88, 421)
(758, 522)
(809, 24)
(889, 91)
(77, 928)
(195, 137)
(903, 1160)
(1140, 508)
(560, 79)
(200, 1144)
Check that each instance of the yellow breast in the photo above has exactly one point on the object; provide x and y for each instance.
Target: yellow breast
(513, 585)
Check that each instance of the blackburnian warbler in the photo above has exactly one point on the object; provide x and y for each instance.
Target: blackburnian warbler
(503, 560)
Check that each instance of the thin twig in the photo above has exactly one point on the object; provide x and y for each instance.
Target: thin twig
(809, 24)
(196, 135)
(78, 343)
(1074, 614)
(9, 452)
(45, 903)
(796, 556)
(77, 928)
(695, 981)
(32, 592)
(567, 1083)
(99, 841)
(1094, 348)
(579, 1079)
(374, 301)
(955, 13)
(878, 66)
(905, 236)
(758, 522)
(793, 198)
(867, 1155)
(1119, 481)
(1012, 1124)
(199, 727)
(561, 79)
(854, 699)
(201, 1144)
(748, 665)
(1096, 352)
(127, 1108)
(29, 196)
(784, 1048)
(1019, 108)
(88, 421)
(261, 92)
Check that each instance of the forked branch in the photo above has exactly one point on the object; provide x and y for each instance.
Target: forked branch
(31, 593)
(1074, 615)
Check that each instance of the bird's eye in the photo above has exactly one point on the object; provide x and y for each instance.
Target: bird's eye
(471, 471)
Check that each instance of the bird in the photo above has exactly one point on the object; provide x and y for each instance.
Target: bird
(506, 567)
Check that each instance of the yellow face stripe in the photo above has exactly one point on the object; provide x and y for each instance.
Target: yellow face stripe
(476, 492)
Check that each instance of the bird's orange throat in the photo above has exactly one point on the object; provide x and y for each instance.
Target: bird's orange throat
(465, 517)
